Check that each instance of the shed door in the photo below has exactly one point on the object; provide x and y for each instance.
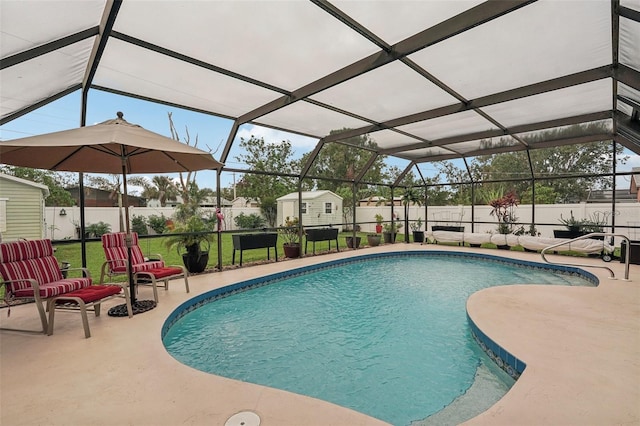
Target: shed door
(288, 210)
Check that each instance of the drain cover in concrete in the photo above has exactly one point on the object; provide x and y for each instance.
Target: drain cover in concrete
(243, 418)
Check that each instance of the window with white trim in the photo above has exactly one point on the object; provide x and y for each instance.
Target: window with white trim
(328, 208)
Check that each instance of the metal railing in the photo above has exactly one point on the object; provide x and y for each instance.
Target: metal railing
(593, 234)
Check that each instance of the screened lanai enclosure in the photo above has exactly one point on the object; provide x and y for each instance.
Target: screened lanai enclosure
(463, 101)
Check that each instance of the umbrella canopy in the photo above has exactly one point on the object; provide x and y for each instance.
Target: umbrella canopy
(114, 146)
(103, 147)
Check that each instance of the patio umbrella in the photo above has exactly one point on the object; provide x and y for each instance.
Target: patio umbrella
(114, 146)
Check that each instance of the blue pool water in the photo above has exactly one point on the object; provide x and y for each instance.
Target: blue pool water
(385, 336)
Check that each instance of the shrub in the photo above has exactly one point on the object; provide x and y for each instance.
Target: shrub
(158, 223)
(98, 229)
(252, 221)
(139, 225)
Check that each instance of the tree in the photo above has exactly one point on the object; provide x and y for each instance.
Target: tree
(191, 203)
(267, 157)
(161, 188)
(187, 180)
(56, 182)
(578, 159)
(113, 185)
(346, 160)
(269, 209)
(410, 196)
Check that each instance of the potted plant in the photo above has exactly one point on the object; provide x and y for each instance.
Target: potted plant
(389, 231)
(416, 228)
(573, 225)
(291, 235)
(379, 218)
(373, 239)
(579, 227)
(194, 237)
(351, 242)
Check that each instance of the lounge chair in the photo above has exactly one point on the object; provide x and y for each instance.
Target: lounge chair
(31, 272)
(145, 272)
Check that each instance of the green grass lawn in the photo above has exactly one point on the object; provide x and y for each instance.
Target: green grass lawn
(95, 256)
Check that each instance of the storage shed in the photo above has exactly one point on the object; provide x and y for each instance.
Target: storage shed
(319, 208)
(21, 208)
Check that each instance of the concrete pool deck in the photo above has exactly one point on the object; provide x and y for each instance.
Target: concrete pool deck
(581, 346)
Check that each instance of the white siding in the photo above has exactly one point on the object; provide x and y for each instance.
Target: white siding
(24, 210)
(315, 215)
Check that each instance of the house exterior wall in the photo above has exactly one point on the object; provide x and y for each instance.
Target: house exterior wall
(24, 210)
(94, 197)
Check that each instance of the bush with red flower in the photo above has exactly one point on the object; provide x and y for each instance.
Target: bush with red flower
(504, 211)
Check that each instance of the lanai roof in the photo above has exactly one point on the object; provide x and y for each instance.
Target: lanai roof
(427, 80)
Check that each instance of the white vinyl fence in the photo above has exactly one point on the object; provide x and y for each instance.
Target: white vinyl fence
(64, 227)
(626, 215)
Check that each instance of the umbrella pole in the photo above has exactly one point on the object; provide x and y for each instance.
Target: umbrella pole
(128, 237)
(139, 306)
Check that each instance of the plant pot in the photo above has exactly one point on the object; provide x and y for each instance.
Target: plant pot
(504, 247)
(418, 236)
(350, 242)
(374, 239)
(389, 237)
(571, 234)
(378, 229)
(291, 250)
(447, 228)
(475, 245)
(195, 261)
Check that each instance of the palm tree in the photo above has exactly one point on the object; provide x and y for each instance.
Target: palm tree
(113, 185)
(161, 188)
(410, 196)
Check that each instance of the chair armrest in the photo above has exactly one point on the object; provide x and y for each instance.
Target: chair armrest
(8, 294)
(155, 256)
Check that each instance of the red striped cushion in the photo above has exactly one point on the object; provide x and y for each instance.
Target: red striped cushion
(29, 259)
(56, 288)
(115, 250)
(21, 250)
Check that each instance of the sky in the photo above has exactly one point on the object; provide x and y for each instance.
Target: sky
(212, 132)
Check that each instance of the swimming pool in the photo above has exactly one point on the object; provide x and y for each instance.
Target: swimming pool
(386, 335)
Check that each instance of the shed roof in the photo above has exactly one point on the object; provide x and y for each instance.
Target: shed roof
(427, 80)
(41, 187)
(308, 195)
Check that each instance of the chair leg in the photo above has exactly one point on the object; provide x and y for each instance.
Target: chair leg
(52, 310)
(41, 311)
(85, 320)
(154, 284)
